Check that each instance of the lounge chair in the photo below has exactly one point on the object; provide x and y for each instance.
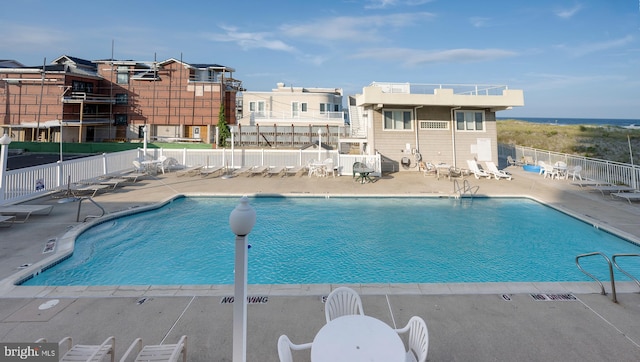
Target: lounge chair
(258, 170)
(189, 171)
(210, 170)
(611, 189)
(493, 169)
(418, 339)
(292, 170)
(275, 170)
(285, 346)
(24, 211)
(629, 196)
(6, 221)
(342, 301)
(160, 352)
(477, 172)
(85, 352)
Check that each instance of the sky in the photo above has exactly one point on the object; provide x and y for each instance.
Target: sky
(571, 58)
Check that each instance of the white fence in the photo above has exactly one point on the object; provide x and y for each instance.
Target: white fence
(592, 168)
(27, 183)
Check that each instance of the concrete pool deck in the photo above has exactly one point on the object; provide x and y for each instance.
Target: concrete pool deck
(467, 322)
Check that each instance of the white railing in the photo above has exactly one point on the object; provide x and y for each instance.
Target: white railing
(31, 182)
(596, 169)
(297, 116)
(462, 89)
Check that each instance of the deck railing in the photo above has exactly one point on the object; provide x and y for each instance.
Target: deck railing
(617, 173)
(31, 182)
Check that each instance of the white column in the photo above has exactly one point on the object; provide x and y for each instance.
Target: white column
(240, 301)
(4, 154)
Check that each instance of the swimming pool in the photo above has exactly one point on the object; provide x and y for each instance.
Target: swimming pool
(339, 240)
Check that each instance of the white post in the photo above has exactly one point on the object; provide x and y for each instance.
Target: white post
(144, 148)
(4, 154)
(232, 146)
(241, 220)
(61, 141)
(319, 144)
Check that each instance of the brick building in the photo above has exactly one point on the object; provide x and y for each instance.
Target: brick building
(105, 100)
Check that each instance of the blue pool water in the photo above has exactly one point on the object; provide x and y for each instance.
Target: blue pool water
(340, 240)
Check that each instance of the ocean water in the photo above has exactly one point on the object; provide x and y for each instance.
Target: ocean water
(568, 121)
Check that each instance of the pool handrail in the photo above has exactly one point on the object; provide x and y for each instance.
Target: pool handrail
(613, 258)
(613, 283)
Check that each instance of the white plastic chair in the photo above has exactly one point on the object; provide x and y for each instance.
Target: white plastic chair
(342, 301)
(328, 167)
(285, 346)
(157, 353)
(418, 339)
(575, 172)
(84, 352)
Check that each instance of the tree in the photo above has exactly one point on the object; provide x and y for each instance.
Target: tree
(223, 128)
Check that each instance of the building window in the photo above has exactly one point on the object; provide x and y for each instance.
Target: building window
(122, 98)
(120, 120)
(84, 87)
(123, 75)
(397, 120)
(257, 108)
(469, 120)
(325, 107)
(336, 108)
(443, 125)
(303, 107)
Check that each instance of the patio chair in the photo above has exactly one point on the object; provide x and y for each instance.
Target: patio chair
(160, 352)
(549, 170)
(418, 339)
(575, 172)
(342, 301)
(285, 346)
(292, 170)
(429, 168)
(329, 168)
(493, 169)
(513, 162)
(275, 171)
(85, 352)
(477, 172)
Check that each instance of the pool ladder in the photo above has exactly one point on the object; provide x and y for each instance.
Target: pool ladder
(611, 263)
(465, 190)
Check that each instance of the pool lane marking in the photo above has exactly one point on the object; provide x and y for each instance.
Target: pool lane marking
(178, 319)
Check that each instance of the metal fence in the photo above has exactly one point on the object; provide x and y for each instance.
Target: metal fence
(592, 168)
(27, 183)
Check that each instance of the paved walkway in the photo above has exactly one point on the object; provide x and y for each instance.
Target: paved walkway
(467, 322)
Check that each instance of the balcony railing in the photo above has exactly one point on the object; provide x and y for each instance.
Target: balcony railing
(461, 89)
(82, 97)
(297, 116)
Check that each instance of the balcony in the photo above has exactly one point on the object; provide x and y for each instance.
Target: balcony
(497, 97)
(88, 98)
(296, 118)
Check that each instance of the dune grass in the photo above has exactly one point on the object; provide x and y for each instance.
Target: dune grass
(603, 142)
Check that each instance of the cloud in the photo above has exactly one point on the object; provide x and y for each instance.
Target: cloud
(479, 22)
(585, 49)
(568, 13)
(384, 4)
(365, 28)
(414, 57)
(546, 81)
(247, 40)
(28, 38)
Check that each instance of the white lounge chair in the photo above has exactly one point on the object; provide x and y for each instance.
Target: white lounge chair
(24, 211)
(477, 172)
(292, 170)
(84, 352)
(342, 301)
(275, 170)
(258, 170)
(493, 169)
(6, 221)
(285, 346)
(629, 196)
(611, 189)
(418, 339)
(160, 352)
(189, 171)
(210, 170)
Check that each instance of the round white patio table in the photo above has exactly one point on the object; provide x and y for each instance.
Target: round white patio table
(357, 338)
